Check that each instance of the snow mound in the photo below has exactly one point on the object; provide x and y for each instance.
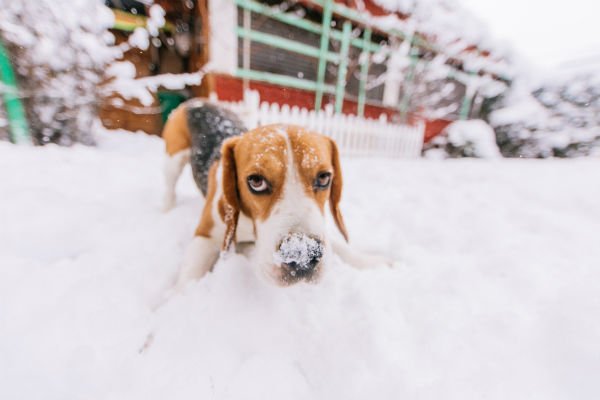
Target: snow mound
(472, 138)
(476, 133)
(557, 119)
(494, 296)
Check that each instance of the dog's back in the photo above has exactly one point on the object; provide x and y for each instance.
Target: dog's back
(209, 126)
(195, 132)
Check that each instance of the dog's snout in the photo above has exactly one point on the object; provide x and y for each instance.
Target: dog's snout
(299, 254)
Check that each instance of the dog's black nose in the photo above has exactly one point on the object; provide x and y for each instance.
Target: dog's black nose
(298, 269)
(300, 254)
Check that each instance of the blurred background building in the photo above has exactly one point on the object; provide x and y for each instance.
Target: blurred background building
(359, 56)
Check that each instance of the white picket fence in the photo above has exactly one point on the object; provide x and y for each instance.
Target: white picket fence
(354, 135)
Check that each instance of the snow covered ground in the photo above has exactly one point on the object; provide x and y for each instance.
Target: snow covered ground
(496, 293)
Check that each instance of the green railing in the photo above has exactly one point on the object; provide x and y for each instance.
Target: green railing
(321, 53)
(465, 107)
(324, 55)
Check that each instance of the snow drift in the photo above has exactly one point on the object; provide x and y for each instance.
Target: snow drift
(472, 138)
(495, 294)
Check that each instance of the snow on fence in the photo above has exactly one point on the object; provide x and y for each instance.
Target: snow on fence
(355, 136)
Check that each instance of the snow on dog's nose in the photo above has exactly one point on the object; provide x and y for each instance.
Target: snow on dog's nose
(299, 254)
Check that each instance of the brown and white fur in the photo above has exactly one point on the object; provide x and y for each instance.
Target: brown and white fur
(300, 173)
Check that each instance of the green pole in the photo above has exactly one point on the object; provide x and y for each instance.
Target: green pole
(414, 59)
(342, 68)
(324, 49)
(465, 108)
(364, 72)
(19, 131)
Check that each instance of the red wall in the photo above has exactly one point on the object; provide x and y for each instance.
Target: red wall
(229, 88)
(434, 128)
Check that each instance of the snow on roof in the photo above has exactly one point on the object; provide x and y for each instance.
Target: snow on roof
(453, 29)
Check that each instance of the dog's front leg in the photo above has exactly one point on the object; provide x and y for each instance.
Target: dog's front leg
(200, 256)
(358, 259)
(173, 167)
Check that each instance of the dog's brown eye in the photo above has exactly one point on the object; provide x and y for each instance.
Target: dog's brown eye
(258, 184)
(322, 181)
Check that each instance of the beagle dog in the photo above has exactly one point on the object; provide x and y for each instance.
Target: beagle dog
(269, 185)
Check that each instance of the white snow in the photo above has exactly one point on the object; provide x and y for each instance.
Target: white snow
(520, 106)
(156, 19)
(299, 249)
(455, 34)
(452, 28)
(139, 38)
(562, 111)
(59, 50)
(124, 82)
(475, 132)
(495, 294)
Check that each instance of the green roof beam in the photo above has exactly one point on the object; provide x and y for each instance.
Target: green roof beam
(299, 22)
(282, 80)
(285, 44)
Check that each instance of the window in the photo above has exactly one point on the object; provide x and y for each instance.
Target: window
(275, 60)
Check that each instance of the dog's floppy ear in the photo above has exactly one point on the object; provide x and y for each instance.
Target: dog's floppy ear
(336, 190)
(229, 206)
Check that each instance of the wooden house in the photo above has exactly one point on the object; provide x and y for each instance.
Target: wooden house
(305, 53)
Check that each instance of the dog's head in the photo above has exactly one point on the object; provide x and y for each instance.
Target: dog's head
(281, 177)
